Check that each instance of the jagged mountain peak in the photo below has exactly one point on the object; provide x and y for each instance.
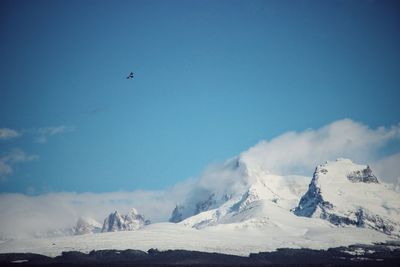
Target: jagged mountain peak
(129, 222)
(341, 193)
(240, 179)
(345, 168)
(267, 190)
(213, 188)
(221, 183)
(345, 193)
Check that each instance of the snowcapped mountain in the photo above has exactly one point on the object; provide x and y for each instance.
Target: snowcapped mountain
(213, 189)
(253, 193)
(86, 225)
(129, 222)
(341, 193)
(243, 208)
(345, 193)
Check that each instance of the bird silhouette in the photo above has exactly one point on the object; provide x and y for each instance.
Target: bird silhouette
(130, 76)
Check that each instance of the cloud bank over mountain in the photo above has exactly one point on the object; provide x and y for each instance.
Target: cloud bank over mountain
(292, 153)
(300, 152)
(56, 213)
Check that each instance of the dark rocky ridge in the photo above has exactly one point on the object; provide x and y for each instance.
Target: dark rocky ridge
(356, 255)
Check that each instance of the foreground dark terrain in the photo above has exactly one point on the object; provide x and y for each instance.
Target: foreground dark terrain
(356, 255)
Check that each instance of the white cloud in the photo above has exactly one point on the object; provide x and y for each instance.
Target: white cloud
(42, 134)
(6, 133)
(300, 152)
(8, 160)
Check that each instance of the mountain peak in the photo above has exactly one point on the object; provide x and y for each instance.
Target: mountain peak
(345, 193)
(129, 222)
(216, 185)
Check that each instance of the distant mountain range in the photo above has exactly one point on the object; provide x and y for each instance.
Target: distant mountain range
(113, 223)
(251, 210)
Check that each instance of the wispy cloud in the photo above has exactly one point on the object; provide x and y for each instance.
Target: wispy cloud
(97, 109)
(6, 133)
(43, 134)
(40, 135)
(8, 160)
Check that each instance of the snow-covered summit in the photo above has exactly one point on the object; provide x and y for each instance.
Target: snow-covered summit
(129, 222)
(340, 192)
(249, 193)
(216, 186)
(345, 193)
(236, 184)
(269, 199)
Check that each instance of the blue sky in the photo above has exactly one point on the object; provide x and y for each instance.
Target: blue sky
(212, 78)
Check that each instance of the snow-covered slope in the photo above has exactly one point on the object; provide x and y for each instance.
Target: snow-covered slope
(255, 198)
(223, 239)
(345, 193)
(213, 189)
(129, 222)
(246, 185)
(86, 225)
(269, 198)
(341, 193)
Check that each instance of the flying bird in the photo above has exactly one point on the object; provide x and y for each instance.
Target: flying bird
(130, 76)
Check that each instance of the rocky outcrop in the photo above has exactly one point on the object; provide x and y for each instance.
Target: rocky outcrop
(363, 176)
(129, 222)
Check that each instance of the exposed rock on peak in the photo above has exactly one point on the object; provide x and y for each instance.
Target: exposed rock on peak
(129, 222)
(363, 176)
(345, 193)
